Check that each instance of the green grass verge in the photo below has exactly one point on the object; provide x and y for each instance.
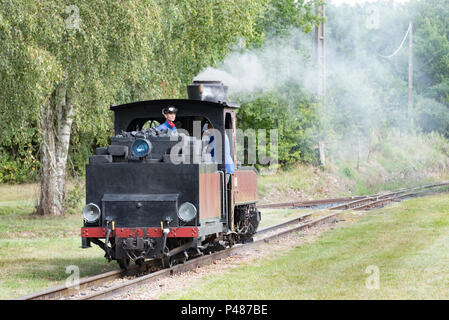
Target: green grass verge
(274, 216)
(36, 251)
(31, 265)
(407, 243)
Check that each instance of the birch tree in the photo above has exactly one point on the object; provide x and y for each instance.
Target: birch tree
(62, 60)
(65, 62)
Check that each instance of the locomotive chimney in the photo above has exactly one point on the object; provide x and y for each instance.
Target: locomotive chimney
(207, 90)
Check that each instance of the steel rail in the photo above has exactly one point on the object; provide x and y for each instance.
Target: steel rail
(357, 203)
(208, 259)
(85, 283)
(308, 203)
(201, 261)
(354, 199)
(63, 291)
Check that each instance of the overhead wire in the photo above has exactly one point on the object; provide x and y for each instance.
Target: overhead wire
(400, 47)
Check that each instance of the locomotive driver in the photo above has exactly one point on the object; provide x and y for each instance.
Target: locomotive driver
(208, 136)
(170, 116)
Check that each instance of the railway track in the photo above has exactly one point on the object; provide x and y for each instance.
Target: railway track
(207, 259)
(111, 283)
(102, 286)
(355, 201)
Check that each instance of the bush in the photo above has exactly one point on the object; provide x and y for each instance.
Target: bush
(292, 112)
(20, 168)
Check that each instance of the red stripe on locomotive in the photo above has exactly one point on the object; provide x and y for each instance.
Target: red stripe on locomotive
(182, 232)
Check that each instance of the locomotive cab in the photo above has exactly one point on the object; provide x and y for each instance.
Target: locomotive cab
(156, 194)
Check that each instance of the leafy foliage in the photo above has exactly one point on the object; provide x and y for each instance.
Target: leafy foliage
(291, 112)
(106, 52)
(122, 51)
(369, 92)
(432, 49)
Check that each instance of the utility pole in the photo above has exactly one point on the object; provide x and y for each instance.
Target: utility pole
(320, 36)
(410, 73)
(320, 54)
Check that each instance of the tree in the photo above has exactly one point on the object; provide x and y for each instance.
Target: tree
(432, 48)
(64, 64)
(70, 59)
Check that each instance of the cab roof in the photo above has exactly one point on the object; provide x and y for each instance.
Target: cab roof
(154, 103)
(127, 114)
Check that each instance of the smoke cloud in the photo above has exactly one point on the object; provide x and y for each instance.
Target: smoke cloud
(365, 92)
(259, 70)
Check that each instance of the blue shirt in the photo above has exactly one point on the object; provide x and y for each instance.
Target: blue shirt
(228, 159)
(166, 126)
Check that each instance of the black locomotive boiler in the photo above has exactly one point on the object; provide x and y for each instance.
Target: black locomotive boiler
(154, 194)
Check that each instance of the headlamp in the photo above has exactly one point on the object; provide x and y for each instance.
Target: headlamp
(91, 212)
(186, 212)
(140, 148)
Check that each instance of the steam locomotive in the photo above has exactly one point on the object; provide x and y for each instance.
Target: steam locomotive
(155, 194)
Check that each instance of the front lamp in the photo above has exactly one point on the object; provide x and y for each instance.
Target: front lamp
(91, 213)
(187, 212)
(140, 148)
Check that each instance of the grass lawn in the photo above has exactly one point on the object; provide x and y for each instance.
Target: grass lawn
(274, 216)
(401, 251)
(31, 265)
(35, 251)
(398, 252)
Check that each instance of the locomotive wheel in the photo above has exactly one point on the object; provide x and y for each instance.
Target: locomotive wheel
(140, 262)
(123, 263)
(231, 240)
(167, 262)
(248, 221)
